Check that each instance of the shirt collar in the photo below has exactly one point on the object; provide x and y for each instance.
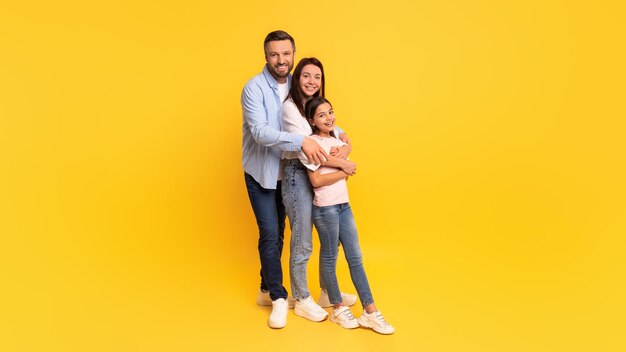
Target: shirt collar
(271, 80)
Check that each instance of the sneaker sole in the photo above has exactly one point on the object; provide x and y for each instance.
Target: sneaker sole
(276, 327)
(309, 317)
(365, 324)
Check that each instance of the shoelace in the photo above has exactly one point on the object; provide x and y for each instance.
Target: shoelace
(348, 314)
(379, 316)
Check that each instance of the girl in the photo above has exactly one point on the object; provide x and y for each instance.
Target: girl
(334, 221)
(307, 82)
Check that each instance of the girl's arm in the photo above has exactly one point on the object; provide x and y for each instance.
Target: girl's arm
(321, 180)
(347, 166)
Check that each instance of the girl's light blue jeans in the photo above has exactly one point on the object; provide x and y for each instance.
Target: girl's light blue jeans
(335, 224)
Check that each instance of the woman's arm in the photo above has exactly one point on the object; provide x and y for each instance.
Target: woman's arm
(344, 138)
(320, 180)
(343, 151)
(293, 122)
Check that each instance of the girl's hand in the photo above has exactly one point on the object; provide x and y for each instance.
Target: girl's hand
(341, 152)
(349, 167)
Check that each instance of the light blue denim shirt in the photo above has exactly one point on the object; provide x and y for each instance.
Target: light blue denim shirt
(263, 141)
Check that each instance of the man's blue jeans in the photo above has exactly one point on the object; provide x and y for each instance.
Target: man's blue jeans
(335, 224)
(269, 211)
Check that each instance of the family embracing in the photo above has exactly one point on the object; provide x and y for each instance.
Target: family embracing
(295, 162)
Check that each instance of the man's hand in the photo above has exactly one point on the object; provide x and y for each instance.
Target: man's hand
(313, 151)
(341, 152)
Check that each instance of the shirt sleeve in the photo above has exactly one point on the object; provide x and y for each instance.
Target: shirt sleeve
(305, 162)
(292, 120)
(292, 123)
(336, 142)
(256, 117)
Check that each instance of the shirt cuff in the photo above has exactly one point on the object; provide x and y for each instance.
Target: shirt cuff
(296, 143)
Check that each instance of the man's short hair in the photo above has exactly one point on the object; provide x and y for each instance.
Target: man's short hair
(278, 35)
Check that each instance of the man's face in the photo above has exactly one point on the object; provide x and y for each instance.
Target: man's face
(279, 55)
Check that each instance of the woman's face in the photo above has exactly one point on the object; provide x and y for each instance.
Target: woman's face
(310, 80)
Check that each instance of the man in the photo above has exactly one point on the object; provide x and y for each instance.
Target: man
(263, 143)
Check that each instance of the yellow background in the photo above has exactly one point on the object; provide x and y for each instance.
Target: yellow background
(489, 200)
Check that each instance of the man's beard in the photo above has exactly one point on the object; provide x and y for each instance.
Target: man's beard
(276, 73)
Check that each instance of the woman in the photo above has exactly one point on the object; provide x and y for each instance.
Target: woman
(308, 81)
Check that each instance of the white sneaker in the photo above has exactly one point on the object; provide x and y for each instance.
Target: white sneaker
(263, 299)
(377, 322)
(308, 309)
(343, 316)
(278, 317)
(324, 302)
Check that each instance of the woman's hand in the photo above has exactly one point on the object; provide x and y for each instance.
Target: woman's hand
(341, 152)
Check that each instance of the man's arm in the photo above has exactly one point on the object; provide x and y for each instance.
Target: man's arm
(313, 151)
(320, 180)
(256, 117)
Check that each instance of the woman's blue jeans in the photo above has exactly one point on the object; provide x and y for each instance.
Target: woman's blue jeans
(298, 199)
(335, 224)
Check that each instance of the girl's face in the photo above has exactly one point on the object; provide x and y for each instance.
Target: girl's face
(310, 80)
(324, 119)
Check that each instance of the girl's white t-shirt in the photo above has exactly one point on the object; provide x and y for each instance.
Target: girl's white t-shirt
(337, 193)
